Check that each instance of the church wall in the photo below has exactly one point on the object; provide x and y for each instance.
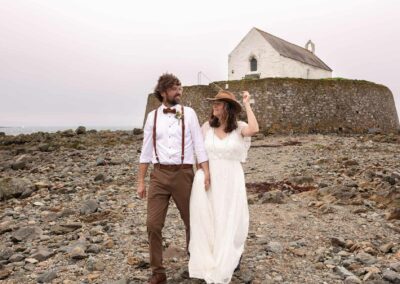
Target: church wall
(270, 62)
(253, 44)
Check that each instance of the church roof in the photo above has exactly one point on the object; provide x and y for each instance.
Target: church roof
(293, 51)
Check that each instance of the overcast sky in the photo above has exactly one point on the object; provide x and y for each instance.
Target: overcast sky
(93, 62)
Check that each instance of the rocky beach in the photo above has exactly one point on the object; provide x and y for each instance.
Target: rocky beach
(323, 209)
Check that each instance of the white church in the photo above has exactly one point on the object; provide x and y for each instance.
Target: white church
(260, 55)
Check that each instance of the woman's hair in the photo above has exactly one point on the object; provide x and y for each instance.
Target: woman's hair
(165, 82)
(230, 116)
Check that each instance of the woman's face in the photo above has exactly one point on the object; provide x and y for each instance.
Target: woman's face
(218, 108)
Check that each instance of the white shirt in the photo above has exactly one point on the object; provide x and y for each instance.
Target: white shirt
(169, 138)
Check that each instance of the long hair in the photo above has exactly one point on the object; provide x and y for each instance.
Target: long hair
(230, 116)
(165, 82)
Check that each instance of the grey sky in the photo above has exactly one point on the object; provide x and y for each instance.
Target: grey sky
(93, 62)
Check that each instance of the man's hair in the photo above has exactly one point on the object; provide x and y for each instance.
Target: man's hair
(165, 82)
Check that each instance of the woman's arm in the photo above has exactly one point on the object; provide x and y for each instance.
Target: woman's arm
(252, 127)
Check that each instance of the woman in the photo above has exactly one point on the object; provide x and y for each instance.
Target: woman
(219, 216)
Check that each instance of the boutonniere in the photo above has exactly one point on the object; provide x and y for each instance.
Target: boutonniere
(178, 116)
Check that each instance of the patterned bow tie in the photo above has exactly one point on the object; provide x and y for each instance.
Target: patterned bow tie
(169, 110)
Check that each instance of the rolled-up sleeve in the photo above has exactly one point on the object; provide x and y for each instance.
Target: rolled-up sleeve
(197, 137)
(146, 155)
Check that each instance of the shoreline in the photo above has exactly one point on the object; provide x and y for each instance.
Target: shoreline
(31, 130)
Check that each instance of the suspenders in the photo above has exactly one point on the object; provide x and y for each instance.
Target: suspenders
(183, 135)
(154, 135)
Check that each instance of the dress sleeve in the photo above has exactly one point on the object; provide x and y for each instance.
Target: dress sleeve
(246, 141)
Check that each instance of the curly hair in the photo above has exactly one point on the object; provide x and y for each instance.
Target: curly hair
(165, 82)
(230, 116)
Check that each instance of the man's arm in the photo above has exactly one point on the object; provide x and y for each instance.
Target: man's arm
(141, 190)
(146, 155)
(199, 148)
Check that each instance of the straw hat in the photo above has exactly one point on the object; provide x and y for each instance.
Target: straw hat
(228, 97)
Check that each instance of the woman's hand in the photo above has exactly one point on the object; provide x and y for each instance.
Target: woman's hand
(246, 97)
(206, 180)
(252, 127)
(206, 171)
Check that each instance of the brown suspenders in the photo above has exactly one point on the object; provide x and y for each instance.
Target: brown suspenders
(154, 134)
(183, 135)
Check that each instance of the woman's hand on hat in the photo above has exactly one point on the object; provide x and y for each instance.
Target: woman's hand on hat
(246, 97)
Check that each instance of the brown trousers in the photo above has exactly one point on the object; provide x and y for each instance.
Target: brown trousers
(165, 183)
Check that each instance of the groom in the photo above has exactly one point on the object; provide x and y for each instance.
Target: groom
(172, 139)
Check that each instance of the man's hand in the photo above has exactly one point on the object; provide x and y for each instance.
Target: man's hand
(141, 190)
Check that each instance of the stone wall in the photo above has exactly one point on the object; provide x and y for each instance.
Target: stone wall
(287, 105)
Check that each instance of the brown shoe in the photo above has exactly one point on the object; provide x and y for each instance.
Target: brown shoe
(158, 278)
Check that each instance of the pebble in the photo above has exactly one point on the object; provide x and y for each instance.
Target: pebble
(58, 218)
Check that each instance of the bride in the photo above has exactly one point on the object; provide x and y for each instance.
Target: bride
(219, 216)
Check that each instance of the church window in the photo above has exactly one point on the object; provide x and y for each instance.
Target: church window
(253, 64)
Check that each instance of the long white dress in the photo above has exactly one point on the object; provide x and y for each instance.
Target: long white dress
(219, 217)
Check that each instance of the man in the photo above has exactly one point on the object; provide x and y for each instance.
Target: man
(172, 139)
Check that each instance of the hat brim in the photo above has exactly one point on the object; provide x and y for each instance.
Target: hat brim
(234, 103)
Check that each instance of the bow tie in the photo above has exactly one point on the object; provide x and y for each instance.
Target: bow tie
(169, 110)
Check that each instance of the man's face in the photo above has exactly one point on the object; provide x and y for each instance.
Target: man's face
(173, 95)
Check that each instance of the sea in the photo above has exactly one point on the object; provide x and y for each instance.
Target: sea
(52, 129)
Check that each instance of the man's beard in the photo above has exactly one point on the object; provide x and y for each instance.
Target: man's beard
(174, 101)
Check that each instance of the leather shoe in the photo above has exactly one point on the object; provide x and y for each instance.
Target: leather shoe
(158, 278)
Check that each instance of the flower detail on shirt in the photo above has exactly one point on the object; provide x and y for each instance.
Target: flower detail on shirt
(178, 116)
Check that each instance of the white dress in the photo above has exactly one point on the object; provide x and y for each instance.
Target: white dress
(219, 217)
